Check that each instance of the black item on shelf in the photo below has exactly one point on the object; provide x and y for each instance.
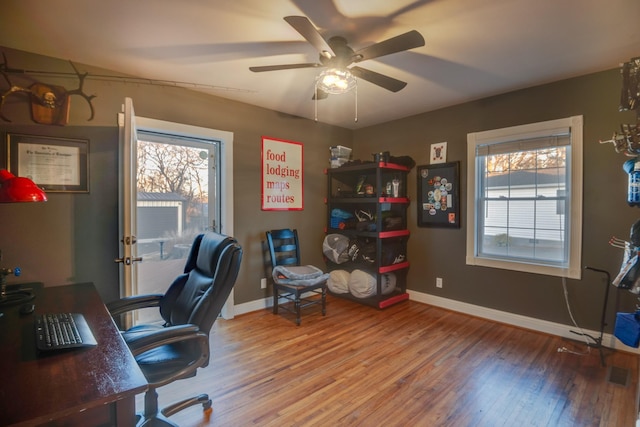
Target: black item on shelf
(381, 157)
(362, 251)
(366, 226)
(392, 223)
(634, 235)
(403, 161)
(393, 253)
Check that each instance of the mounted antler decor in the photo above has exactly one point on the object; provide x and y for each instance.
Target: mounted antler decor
(49, 103)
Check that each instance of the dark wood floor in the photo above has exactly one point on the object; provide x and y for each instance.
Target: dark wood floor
(408, 365)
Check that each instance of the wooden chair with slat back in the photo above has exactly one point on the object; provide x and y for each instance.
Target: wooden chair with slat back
(284, 253)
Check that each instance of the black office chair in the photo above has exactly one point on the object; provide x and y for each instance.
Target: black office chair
(190, 306)
(304, 285)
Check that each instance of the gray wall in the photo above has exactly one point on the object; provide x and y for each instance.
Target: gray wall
(73, 237)
(58, 242)
(440, 252)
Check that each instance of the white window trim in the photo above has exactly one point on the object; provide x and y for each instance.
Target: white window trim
(574, 270)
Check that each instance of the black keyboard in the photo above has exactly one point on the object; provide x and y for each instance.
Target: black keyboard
(63, 330)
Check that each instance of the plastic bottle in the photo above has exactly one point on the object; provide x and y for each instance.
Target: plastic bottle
(633, 189)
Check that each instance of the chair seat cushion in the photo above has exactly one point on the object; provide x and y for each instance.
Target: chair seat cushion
(163, 361)
(299, 275)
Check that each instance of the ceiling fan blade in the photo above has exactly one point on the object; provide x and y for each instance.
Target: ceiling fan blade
(260, 69)
(302, 25)
(389, 83)
(319, 94)
(395, 44)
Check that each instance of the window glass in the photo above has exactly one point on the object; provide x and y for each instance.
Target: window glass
(522, 182)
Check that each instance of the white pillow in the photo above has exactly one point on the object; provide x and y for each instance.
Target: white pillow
(363, 284)
(338, 282)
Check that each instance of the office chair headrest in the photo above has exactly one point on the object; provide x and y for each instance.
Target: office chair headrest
(211, 246)
(209, 285)
(193, 254)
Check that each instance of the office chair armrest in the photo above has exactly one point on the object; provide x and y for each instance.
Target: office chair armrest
(134, 302)
(169, 335)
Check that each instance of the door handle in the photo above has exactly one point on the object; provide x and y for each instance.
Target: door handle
(129, 240)
(128, 260)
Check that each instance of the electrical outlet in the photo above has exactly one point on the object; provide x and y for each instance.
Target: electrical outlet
(438, 282)
(263, 283)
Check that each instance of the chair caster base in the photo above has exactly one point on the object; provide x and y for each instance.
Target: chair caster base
(161, 419)
(201, 399)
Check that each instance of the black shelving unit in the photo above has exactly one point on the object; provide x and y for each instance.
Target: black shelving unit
(367, 190)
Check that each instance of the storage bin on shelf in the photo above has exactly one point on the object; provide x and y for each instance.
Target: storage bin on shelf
(339, 155)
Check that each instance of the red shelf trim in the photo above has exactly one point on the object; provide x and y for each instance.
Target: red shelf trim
(393, 300)
(394, 233)
(393, 200)
(393, 267)
(384, 165)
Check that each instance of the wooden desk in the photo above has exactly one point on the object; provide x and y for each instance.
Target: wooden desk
(85, 387)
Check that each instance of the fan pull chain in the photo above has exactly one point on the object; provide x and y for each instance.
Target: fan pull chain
(315, 104)
(356, 118)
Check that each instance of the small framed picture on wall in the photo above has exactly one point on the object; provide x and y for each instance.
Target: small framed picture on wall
(438, 153)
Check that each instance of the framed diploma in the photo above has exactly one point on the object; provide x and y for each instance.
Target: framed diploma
(54, 164)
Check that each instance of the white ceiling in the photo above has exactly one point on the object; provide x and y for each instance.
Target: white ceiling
(474, 48)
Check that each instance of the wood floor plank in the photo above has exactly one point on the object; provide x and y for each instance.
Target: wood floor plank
(408, 365)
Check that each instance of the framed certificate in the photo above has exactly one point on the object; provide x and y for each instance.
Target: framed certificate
(54, 164)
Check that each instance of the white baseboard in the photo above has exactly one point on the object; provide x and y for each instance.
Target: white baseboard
(525, 322)
(260, 304)
(248, 307)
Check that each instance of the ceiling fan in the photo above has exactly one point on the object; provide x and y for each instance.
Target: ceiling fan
(336, 54)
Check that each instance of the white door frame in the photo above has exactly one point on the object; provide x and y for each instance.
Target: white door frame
(129, 124)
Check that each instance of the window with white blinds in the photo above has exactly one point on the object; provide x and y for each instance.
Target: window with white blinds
(524, 198)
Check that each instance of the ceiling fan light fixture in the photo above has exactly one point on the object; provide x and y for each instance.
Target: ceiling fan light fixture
(336, 81)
